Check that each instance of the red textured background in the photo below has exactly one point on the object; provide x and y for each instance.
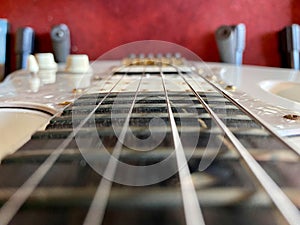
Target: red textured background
(99, 25)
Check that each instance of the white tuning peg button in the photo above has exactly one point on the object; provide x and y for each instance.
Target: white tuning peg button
(78, 71)
(46, 61)
(77, 63)
(48, 67)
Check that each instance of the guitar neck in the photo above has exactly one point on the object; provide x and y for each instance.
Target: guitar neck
(156, 141)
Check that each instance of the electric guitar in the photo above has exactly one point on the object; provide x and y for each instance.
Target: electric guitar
(156, 139)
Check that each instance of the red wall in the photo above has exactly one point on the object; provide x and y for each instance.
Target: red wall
(99, 25)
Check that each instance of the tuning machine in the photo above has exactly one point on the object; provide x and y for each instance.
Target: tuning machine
(231, 43)
(61, 43)
(24, 46)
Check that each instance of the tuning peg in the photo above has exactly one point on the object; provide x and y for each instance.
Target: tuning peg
(4, 29)
(231, 43)
(61, 43)
(24, 46)
(289, 46)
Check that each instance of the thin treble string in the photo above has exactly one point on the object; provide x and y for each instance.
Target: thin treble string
(14, 203)
(192, 210)
(97, 208)
(287, 209)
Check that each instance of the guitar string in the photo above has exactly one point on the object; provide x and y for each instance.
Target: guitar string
(191, 206)
(287, 209)
(260, 121)
(97, 208)
(14, 203)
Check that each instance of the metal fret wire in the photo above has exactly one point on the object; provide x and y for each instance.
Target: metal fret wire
(288, 210)
(14, 203)
(192, 210)
(97, 208)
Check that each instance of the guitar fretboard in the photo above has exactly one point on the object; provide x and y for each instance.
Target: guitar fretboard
(100, 161)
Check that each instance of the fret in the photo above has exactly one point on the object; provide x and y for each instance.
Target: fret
(153, 100)
(148, 108)
(71, 153)
(143, 119)
(53, 133)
